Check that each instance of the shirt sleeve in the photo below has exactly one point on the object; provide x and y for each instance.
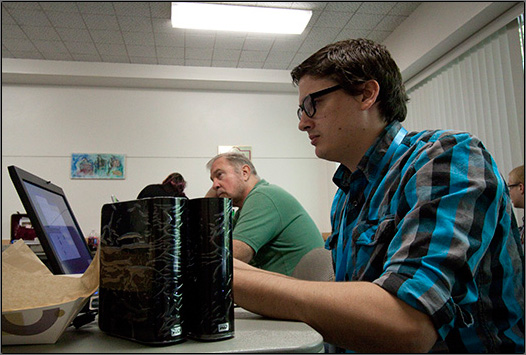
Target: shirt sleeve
(258, 222)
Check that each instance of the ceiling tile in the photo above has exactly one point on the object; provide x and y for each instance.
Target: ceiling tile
(62, 6)
(333, 19)
(101, 22)
(108, 58)
(198, 62)
(224, 63)
(108, 37)
(96, 7)
(139, 38)
(111, 49)
(50, 46)
(135, 23)
(198, 53)
(346, 6)
(37, 33)
(66, 20)
(169, 39)
(375, 7)
(132, 8)
(229, 42)
(164, 25)
(140, 51)
(81, 48)
(161, 10)
(143, 60)
(170, 52)
(253, 56)
(18, 45)
(350, 33)
(86, 57)
(7, 19)
(171, 61)
(199, 41)
(226, 54)
(29, 17)
(287, 44)
(62, 56)
(12, 31)
(258, 44)
(22, 5)
(250, 65)
(323, 34)
(74, 35)
(28, 55)
(278, 57)
(364, 21)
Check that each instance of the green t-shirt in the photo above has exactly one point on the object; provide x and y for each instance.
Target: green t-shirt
(277, 227)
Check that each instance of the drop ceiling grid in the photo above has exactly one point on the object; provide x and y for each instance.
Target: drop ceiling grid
(141, 32)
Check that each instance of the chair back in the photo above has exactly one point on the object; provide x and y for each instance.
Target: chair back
(316, 265)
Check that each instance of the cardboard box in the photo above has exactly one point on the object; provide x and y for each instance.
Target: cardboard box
(38, 306)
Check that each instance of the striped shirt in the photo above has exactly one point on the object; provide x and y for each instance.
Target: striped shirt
(435, 228)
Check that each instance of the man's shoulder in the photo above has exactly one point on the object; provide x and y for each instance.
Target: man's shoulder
(270, 190)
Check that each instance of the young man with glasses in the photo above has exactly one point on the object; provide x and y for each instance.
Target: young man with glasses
(425, 255)
(516, 187)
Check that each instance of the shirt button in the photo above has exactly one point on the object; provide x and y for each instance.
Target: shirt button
(355, 203)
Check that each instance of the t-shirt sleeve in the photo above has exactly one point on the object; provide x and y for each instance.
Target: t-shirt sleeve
(258, 221)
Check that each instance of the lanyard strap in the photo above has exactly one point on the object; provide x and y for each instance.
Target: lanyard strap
(341, 265)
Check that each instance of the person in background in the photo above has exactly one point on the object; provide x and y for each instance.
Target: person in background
(516, 186)
(172, 186)
(425, 253)
(272, 231)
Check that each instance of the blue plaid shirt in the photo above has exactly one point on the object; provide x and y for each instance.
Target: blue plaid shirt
(436, 229)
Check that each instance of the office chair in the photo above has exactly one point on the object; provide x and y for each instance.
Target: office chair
(316, 265)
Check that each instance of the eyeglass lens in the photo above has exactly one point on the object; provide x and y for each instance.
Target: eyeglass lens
(306, 106)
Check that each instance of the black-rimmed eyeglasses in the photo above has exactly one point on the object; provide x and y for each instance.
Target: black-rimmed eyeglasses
(309, 102)
(513, 185)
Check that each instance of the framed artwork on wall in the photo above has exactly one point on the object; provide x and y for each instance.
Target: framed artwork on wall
(243, 149)
(98, 166)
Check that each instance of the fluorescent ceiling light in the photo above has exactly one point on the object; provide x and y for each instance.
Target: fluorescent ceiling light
(239, 18)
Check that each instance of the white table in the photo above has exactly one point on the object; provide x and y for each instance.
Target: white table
(253, 333)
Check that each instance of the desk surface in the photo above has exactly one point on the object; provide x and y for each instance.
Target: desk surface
(253, 333)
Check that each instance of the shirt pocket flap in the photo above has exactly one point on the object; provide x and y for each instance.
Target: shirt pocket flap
(372, 232)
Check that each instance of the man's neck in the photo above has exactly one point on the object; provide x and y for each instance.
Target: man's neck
(249, 186)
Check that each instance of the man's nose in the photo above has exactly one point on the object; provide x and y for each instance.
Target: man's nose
(305, 122)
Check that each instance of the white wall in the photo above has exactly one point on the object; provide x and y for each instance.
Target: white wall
(160, 131)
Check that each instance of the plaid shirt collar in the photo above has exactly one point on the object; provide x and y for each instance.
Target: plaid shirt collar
(369, 163)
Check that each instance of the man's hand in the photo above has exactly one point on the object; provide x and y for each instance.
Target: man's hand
(211, 193)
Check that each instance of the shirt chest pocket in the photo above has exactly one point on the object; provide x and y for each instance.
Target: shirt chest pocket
(371, 240)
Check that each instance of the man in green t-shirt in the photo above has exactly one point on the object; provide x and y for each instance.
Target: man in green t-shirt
(272, 231)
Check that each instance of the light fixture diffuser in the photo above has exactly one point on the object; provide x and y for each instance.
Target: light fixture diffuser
(220, 17)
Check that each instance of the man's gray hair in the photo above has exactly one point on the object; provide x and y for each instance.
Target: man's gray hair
(237, 160)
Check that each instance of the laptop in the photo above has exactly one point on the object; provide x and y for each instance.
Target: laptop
(54, 222)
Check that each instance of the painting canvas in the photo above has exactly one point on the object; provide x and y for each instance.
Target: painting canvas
(98, 166)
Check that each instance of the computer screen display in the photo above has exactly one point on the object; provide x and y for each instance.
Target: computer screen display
(54, 222)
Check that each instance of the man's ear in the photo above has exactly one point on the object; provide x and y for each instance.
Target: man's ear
(245, 172)
(370, 94)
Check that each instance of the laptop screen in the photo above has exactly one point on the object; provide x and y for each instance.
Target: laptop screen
(54, 222)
